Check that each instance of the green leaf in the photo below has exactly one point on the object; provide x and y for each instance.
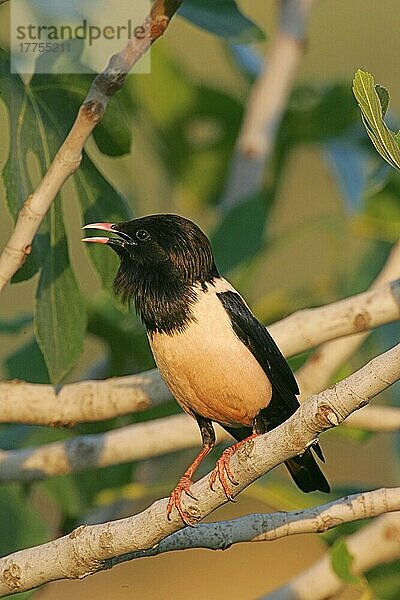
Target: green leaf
(317, 113)
(344, 529)
(163, 109)
(223, 18)
(239, 234)
(280, 494)
(41, 114)
(60, 317)
(26, 134)
(113, 135)
(373, 103)
(65, 492)
(193, 128)
(384, 205)
(204, 140)
(100, 201)
(341, 561)
(21, 525)
(75, 493)
(125, 339)
(27, 363)
(354, 434)
(384, 580)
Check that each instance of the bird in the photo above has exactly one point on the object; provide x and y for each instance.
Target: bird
(219, 362)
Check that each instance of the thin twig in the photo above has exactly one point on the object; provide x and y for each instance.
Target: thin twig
(69, 156)
(267, 102)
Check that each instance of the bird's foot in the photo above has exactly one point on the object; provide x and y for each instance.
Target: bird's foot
(222, 471)
(175, 500)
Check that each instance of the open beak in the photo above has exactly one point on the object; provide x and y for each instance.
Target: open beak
(111, 241)
(101, 227)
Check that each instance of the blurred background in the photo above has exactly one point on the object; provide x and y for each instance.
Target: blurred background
(319, 228)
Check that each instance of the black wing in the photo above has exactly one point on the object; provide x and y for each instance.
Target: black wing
(304, 469)
(257, 339)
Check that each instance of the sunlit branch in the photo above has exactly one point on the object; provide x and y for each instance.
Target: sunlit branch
(375, 544)
(98, 400)
(89, 548)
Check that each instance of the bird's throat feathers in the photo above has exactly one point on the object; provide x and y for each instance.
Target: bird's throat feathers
(162, 297)
(165, 260)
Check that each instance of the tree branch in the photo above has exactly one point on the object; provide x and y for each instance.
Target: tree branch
(318, 371)
(85, 550)
(69, 156)
(273, 526)
(131, 443)
(151, 439)
(382, 419)
(85, 401)
(374, 544)
(267, 102)
(309, 327)
(97, 400)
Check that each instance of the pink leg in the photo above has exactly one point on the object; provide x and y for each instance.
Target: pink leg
(222, 469)
(184, 486)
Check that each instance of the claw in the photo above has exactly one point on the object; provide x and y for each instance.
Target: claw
(222, 469)
(184, 486)
(175, 500)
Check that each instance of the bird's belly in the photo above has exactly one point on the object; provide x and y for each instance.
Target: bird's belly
(210, 372)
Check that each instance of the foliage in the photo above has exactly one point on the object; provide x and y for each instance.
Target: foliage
(41, 113)
(384, 581)
(187, 134)
(342, 561)
(223, 18)
(373, 101)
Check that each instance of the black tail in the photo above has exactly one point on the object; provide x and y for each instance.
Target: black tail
(306, 473)
(304, 469)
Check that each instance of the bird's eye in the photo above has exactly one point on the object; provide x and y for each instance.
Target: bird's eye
(142, 235)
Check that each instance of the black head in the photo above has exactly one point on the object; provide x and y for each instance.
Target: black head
(162, 257)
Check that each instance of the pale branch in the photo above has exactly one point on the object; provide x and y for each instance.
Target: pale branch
(97, 400)
(267, 102)
(266, 527)
(309, 327)
(375, 544)
(318, 371)
(85, 550)
(130, 443)
(85, 401)
(383, 419)
(69, 156)
(141, 441)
